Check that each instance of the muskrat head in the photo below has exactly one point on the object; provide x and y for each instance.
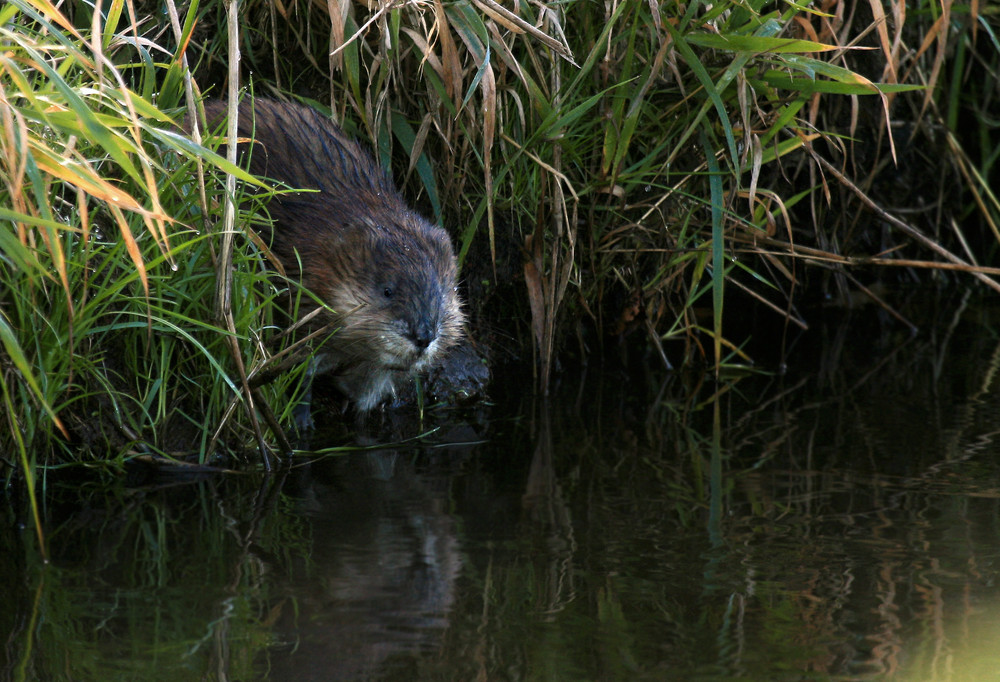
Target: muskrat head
(392, 291)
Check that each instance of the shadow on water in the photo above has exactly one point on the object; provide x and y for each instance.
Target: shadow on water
(837, 522)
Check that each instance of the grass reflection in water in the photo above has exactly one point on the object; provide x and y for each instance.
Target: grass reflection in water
(839, 523)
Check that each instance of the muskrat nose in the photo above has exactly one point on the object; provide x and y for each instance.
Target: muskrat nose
(422, 333)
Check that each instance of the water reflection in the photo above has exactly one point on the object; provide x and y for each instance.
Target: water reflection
(377, 580)
(839, 522)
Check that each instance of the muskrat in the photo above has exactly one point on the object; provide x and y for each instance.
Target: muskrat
(386, 274)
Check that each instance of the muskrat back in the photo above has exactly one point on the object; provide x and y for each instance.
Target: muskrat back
(387, 275)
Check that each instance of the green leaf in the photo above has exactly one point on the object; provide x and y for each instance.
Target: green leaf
(718, 244)
(403, 132)
(756, 44)
(474, 85)
(837, 73)
(694, 63)
(809, 85)
(16, 354)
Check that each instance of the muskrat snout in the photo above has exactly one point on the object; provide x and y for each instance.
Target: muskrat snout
(422, 333)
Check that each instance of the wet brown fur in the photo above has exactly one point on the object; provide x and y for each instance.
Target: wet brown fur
(386, 272)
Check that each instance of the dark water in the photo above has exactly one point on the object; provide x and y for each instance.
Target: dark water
(838, 522)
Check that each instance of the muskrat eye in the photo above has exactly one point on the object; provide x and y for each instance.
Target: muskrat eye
(387, 292)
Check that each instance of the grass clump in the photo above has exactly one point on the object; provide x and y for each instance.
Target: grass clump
(606, 170)
(113, 344)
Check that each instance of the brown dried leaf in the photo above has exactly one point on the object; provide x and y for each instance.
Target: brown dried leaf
(451, 64)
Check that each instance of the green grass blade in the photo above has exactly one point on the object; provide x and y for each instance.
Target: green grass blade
(718, 246)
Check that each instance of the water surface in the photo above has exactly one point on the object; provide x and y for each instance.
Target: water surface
(839, 522)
